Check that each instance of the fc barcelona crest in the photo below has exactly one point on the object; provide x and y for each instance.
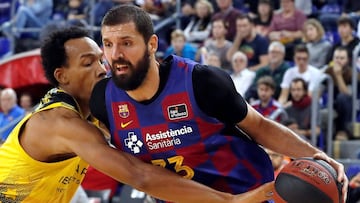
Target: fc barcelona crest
(124, 111)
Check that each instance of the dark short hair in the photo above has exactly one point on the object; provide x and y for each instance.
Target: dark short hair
(268, 2)
(245, 16)
(301, 48)
(129, 13)
(222, 20)
(266, 80)
(344, 20)
(53, 54)
(348, 52)
(343, 48)
(302, 81)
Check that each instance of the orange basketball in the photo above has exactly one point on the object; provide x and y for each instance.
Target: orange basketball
(308, 180)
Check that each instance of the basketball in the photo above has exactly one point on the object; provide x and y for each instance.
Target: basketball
(308, 180)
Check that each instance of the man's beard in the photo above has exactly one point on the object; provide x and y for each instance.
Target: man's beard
(136, 74)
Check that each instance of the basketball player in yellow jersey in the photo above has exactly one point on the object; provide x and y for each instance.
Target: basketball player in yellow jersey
(46, 156)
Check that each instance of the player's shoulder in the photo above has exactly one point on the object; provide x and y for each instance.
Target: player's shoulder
(207, 78)
(99, 89)
(57, 114)
(209, 71)
(57, 122)
(101, 86)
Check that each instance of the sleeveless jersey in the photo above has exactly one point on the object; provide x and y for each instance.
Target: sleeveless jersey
(23, 179)
(174, 133)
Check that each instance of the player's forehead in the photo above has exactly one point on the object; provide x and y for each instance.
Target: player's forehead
(78, 48)
(120, 31)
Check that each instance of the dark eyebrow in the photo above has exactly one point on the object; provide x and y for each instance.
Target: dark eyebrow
(122, 38)
(127, 37)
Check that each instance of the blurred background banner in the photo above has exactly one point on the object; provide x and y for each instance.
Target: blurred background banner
(24, 73)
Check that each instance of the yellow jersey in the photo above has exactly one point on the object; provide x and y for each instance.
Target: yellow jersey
(23, 179)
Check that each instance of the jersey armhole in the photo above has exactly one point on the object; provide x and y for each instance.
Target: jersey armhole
(97, 102)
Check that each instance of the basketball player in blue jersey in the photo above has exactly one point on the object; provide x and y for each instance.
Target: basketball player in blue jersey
(183, 116)
(47, 154)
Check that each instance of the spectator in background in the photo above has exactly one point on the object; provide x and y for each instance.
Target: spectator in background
(218, 43)
(229, 14)
(302, 69)
(263, 18)
(30, 14)
(345, 27)
(252, 44)
(276, 69)
(11, 113)
(78, 10)
(328, 14)
(179, 46)
(199, 28)
(252, 5)
(241, 75)
(351, 8)
(266, 104)
(187, 10)
(286, 26)
(278, 161)
(69, 13)
(26, 102)
(155, 8)
(300, 108)
(213, 59)
(60, 10)
(98, 11)
(102, 6)
(340, 71)
(305, 6)
(318, 46)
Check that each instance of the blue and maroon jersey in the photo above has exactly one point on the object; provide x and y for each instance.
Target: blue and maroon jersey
(268, 110)
(174, 133)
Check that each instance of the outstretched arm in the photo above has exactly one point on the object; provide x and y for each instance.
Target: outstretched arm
(281, 139)
(87, 142)
(166, 185)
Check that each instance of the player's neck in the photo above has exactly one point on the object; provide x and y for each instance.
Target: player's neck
(85, 109)
(81, 101)
(83, 106)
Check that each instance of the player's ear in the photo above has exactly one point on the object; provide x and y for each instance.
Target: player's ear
(60, 76)
(153, 44)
